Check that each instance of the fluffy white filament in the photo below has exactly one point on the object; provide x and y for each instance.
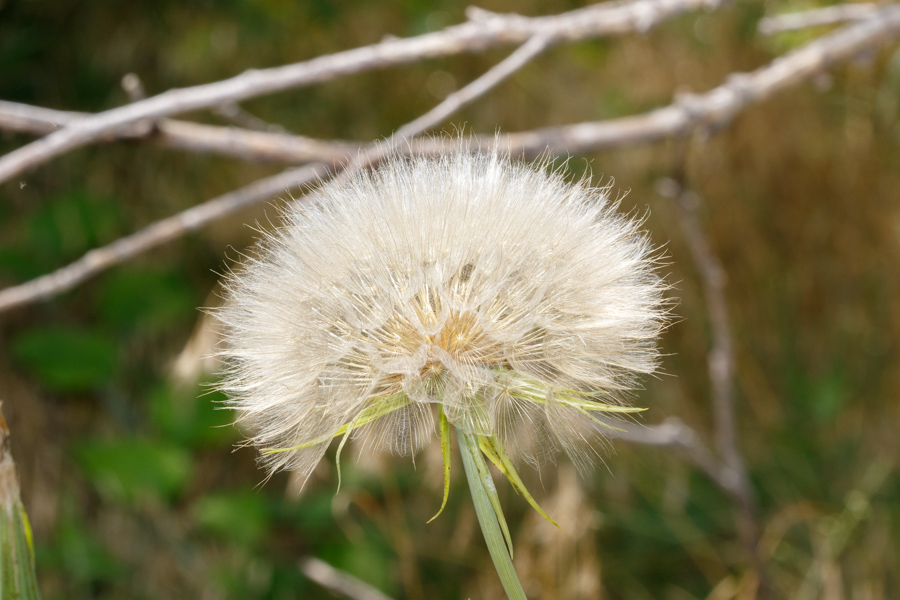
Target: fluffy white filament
(519, 302)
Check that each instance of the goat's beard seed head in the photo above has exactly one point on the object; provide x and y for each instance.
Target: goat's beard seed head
(520, 303)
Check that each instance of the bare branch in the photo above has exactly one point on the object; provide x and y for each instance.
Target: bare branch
(35, 120)
(192, 137)
(829, 15)
(674, 433)
(339, 582)
(716, 108)
(711, 110)
(476, 88)
(688, 114)
(721, 361)
(474, 36)
(233, 113)
(251, 145)
(125, 248)
(721, 354)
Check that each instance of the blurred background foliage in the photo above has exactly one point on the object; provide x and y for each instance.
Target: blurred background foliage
(129, 472)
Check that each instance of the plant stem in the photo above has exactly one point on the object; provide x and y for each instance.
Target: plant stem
(482, 488)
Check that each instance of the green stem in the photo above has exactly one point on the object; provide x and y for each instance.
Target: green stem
(482, 489)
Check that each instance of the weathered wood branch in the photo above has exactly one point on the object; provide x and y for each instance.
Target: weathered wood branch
(483, 31)
(688, 114)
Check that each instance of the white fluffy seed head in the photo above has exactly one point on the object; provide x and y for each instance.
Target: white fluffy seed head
(489, 287)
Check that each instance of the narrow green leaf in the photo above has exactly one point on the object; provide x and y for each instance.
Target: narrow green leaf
(598, 421)
(381, 406)
(445, 451)
(504, 464)
(533, 390)
(592, 406)
(488, 483)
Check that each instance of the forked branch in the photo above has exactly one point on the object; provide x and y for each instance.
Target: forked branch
(482, 31)
(688, 114)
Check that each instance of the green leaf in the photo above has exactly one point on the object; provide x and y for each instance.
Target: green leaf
(81, 556)
(493, 449)
(365, 560)
(313, 514)
(125, 470)
(145, 299)
(241, 517)
(17, 577)
(70, 225)
(445, 454)
(192, 417)
(66, 359)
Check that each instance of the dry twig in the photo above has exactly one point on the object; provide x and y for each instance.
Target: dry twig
(688, 114)
(264, 146)
(234, 114)
(100, 259)
(481, 32)
(721, 354)
(674, 433)
(339, 582)
(829, 15)
(123, 249)
(721, 361)
(477, 88)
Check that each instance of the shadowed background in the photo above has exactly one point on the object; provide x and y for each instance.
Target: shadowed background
(127, 466)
